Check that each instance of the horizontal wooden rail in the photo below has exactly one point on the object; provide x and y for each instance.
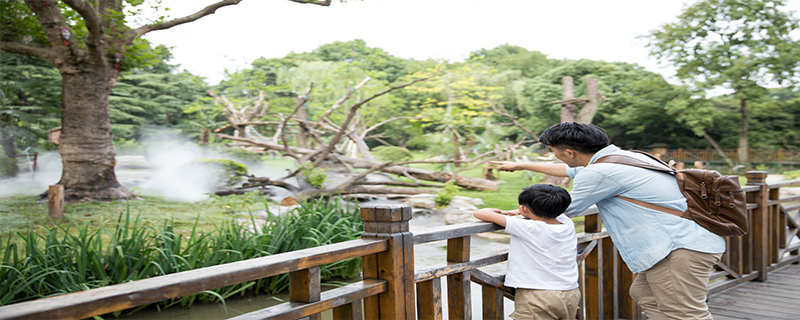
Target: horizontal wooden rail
(453, 231)
(328, 300)
(784, 184)
(792, 207)
(784, 200)
(103, 300)
(428, 274)
(750, 188)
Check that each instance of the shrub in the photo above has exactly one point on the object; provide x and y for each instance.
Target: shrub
(393, 154)
(444, 197)
(315, 176)
(228, 171)
(59, 260)
(791, 175)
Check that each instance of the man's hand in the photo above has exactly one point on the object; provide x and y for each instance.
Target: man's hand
(504, 165)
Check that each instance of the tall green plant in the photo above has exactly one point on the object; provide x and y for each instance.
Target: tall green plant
(59, 260)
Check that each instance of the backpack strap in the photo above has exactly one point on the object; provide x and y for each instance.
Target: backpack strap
(631, 161)
(651, 206)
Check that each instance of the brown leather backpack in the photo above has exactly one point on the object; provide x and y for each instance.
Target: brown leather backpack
(716, 202)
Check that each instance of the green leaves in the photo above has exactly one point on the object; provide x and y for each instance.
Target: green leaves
(742, 45)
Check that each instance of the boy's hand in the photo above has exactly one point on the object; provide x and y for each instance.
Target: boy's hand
(491, 215)
(510, 212)
(504, 165)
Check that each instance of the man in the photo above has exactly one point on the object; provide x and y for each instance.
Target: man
(671, 256)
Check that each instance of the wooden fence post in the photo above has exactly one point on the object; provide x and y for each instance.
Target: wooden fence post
(304, 286)
(55, 201)
(396, 265)
(459, 293)
(592, 289)
(759, 226)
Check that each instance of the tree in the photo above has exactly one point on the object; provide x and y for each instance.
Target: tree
(89, 42)
(740, 45)
(28, 105)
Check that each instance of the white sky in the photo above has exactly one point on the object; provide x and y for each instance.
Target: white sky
(418, 29)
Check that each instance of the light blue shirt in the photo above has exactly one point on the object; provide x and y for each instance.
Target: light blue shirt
(642, 236)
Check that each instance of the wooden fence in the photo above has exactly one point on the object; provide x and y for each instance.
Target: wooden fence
(392, 288)
(710, 155)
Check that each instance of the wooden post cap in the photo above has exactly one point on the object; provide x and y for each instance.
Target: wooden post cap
(756, 176)
(385, 218)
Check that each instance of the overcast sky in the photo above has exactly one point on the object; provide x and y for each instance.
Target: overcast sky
(417, 29)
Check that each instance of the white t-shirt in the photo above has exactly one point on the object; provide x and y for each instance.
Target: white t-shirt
(541, 255)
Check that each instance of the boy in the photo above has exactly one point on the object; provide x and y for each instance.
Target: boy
(542, 255)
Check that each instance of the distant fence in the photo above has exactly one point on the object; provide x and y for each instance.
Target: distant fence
(711, 155)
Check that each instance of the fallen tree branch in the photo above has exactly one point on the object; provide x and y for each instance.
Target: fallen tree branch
(352, 113)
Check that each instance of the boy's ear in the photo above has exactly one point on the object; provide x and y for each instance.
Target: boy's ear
(523, 209)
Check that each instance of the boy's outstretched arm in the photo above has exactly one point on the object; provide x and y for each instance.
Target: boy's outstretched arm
(553, 169)
(492, 215)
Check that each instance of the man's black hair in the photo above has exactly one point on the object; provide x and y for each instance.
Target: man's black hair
(586, 138)
(545, 200)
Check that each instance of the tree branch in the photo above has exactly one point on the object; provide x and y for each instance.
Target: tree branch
(500, 109)
(324, 3)
(46, 54)
(353, 111)
(343, 98)
(364, 134)
(210, 9)
(301, 100)
(52, 22)
(92, 20)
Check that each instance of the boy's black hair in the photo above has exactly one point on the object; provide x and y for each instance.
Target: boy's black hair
(545, 200)
(586, 138)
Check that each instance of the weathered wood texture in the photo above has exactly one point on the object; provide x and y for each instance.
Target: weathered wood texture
(773, 299)
(396, 265)
(55, 201)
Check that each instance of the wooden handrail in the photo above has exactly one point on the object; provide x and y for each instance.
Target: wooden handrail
(428, 274)
(329, 300)
(108, 299)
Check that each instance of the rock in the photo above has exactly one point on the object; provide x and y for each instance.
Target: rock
(474, 201)
(423, 201)
(458, 211)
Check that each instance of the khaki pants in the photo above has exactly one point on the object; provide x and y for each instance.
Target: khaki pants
(676, 287)
(546, 304)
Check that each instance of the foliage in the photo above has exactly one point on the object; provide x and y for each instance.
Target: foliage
(59, 260)
(147, 98)
(29, 99)
(380, 64)
(792, 174)
(742, 45)
(394, 154)
(228, 171)
(444, 197)
(238, 202)
(315, 176)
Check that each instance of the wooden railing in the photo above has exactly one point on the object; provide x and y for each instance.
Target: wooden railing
(708, 155)
(391, 287)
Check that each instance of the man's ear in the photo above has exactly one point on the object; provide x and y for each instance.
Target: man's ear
(523, 209)
(572, 154)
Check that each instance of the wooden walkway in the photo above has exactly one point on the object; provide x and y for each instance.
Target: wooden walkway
(774, 299)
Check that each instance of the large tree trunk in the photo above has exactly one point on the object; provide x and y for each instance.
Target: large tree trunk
(86, 149)
(744, 148)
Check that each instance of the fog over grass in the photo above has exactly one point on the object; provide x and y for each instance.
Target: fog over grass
(164, 167)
